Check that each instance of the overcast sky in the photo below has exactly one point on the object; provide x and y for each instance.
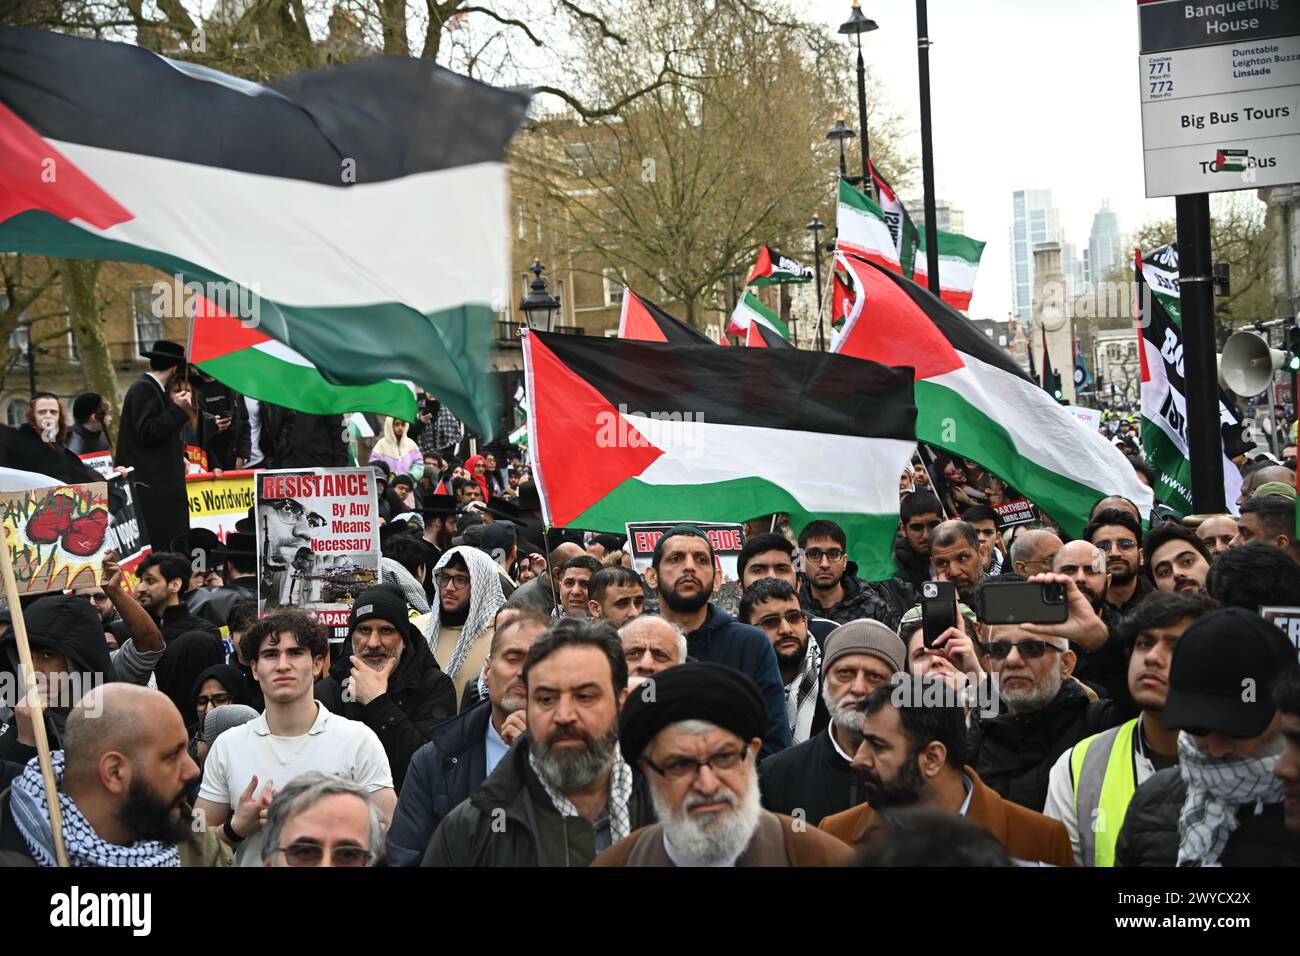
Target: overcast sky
(1025, 94)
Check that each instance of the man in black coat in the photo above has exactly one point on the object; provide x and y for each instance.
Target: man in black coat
(1224, 804)
(149, 439)
(462, 752)
(390, 681)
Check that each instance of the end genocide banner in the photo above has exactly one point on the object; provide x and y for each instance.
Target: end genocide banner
(317, 540)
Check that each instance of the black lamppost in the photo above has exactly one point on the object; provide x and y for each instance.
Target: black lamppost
(538, 304)
(840, 132)
(734, 273)
(816, 227)
(856, 25)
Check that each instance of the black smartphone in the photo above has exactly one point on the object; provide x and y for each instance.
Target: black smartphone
(1023, 602)
(938, 609)
(217, 405)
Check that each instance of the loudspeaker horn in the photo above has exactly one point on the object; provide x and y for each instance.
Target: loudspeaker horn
(1248, 364)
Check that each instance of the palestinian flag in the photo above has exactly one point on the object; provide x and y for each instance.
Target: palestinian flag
(841, 300)
(642, 319)
(751, 309)
(1164, 402)
(773, 268)
(624, 431)
(862, 230)
(901, 229)
(356, 213)
(760, 336)
(973, 400)
(257, 365)
(959, 261)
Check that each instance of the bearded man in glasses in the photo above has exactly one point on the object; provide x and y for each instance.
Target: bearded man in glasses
(697, 738)
(1045, 710)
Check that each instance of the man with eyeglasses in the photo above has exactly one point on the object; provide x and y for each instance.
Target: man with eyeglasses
(816, 779)
(682, 572)
(1094, 780)
(1046, 711)
(773, 607)
(293, 735)
(831, 588)
(1223, 805)
(650, 645)
(1119, 536)
(460, 627)
(390, 681)
(320, 820)
(913, 753)
(771, 555)
(697, 740)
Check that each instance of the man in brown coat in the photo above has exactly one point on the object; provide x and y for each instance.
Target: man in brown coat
(695, 730)
(914, 752)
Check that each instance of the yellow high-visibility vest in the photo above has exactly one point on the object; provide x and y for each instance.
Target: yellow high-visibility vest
(1104, 781)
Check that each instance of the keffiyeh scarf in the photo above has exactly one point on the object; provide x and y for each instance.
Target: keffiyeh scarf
(83, 845)
(1215, 790)
(620, 793)
(485, 599)
(801, 695)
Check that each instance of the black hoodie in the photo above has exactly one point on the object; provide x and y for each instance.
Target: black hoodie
(67, 625)
(420, 696)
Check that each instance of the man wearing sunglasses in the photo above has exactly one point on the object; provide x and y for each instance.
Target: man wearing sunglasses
(772, 606)
(697, 739)
(1222, 805)
(1119, 536)
(322, 820)
(1046, 711)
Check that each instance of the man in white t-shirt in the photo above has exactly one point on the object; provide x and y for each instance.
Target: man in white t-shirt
(295, 734)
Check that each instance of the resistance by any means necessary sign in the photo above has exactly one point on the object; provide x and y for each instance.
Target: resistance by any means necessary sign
(1224, 116)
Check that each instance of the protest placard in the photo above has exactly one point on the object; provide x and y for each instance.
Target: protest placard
(217, 503)
(126, 532)
(727, 541)
(1286, 618)
(317, 540)
(57, 536)
(1020, 511)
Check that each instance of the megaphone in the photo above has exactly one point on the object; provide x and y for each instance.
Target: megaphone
(1248, 363)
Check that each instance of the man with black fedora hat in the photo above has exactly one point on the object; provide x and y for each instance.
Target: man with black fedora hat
(696, 730)
(149, 439)
(1222, 805)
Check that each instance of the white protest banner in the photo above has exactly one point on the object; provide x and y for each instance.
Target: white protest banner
(1286, 618)
(317, 540)
(726, 539)
(1089, 416)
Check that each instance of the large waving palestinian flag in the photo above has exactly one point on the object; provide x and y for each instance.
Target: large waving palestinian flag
(642, 319)
(257, 365)
(364, 204)
(973, 400)
(624, 431)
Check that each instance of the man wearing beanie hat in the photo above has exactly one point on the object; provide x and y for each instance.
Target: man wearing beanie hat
(1222, 805)
(682, 572)
(817, 776)
(696, 730)
(390, 681)
(91, 417)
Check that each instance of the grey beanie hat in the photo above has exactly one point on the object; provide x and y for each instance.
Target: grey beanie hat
(864, 636)
(221, 719)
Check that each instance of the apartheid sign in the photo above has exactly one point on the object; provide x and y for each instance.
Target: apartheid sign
(317, 540)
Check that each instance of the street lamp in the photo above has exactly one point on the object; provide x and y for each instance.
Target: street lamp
(841, 132)
(734, 273)
(538, 305)
(815, 227)
(856, 25)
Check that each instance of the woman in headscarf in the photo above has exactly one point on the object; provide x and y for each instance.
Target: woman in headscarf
(185, 658)
(477, 468)
(395, 449)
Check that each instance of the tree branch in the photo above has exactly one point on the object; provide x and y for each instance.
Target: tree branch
(507, 21)
(595, 18)
(666, 75)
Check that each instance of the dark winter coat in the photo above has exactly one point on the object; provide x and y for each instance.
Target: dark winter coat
(809, 781)
(912, 567)
(445, 771)
(860, 600)
(420, 697)
(149, 440)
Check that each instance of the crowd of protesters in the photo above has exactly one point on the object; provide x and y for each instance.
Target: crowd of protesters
(516, 695)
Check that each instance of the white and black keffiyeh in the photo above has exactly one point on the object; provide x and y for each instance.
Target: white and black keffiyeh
(485, 599)
(802, 695)
(620, 793)
(83, 845)
(1215, 790)
(390, 572)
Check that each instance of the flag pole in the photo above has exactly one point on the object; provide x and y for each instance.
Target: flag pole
(33, 694)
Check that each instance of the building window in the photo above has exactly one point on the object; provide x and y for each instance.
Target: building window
(521, 226)
(614, 285)
(16, 413)
(148, 326)
(1002, 341)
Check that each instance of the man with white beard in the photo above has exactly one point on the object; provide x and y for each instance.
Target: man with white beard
(815, 779)
(697, 737)
(1047, 711)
